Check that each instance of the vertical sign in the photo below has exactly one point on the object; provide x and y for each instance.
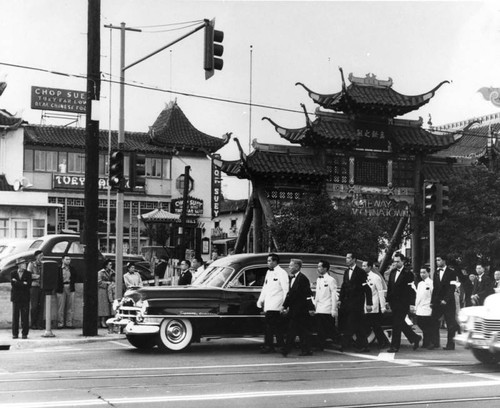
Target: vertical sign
(216, 187)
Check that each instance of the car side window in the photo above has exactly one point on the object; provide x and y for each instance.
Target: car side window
(60, 247)
(75, 248)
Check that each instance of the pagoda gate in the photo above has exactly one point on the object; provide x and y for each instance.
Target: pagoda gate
(355, 149)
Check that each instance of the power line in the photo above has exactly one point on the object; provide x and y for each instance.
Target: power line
(139, 85)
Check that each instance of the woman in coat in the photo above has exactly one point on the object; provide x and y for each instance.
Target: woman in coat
(103, 282)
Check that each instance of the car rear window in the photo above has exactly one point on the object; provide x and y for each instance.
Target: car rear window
(75, 248)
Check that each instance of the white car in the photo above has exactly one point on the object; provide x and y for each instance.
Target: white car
(481, 330)
(13, 246)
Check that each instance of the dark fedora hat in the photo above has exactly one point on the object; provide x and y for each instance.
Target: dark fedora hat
(21, 261)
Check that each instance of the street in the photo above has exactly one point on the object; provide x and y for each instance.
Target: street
(231, 372)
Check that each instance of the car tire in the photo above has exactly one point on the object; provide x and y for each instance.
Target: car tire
(485, 357)
(142, 342)
(175, 334)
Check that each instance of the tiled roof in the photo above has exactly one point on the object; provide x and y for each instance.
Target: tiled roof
(173, 129)
(230, 206)
(444, 172)
(472, 143)
(374, 99)
(276, 165)
(61, 136)
(339, 130)
(9, 121)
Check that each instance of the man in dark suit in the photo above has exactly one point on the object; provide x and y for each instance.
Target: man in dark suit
(483, 287)
(186, 276)
(20, 281)
(354, 292)
(443, 300)
(400, 296)
(297, 306)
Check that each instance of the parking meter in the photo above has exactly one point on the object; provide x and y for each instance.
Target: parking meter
(48, 280)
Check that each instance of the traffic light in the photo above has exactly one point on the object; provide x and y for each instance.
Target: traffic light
(443, 199)
(137, 171)
(213, 49)
(116, 176)
(430, 197)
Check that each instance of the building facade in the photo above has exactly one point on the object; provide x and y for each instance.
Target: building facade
(51, 162)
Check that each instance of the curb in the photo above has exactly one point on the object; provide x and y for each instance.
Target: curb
(37, 341)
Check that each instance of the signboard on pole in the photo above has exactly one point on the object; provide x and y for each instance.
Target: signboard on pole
(55, 99)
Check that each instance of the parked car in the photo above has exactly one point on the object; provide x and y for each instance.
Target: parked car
(172, 317)
(13, 246)
(53, 248)
(480, 330)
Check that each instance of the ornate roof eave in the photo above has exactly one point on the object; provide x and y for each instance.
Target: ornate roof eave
(298, 135)
(335, 101)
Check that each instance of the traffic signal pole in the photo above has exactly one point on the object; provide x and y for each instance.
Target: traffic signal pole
(432, 246)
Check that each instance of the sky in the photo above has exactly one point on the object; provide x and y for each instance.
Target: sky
(268, 48)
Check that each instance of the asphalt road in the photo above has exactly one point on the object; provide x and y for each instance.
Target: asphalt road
(231, 373)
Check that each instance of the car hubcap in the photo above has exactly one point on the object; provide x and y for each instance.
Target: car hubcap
(176, 332)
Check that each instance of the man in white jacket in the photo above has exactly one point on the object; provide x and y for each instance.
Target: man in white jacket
(274, 291)
(374, 316)
(423, 309)
(325, 301)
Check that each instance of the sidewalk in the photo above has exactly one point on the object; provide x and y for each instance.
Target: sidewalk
(62, 337)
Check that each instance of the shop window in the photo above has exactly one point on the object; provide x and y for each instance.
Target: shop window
(20, 228)
(4, 227)
(76, 162)
(167, 169)
(153, 167)
(63, 162)
(28, 160)
(103, 164)
(73, 225)
(45, 160)
(38, 228)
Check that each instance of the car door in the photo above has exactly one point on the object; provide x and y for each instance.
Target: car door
(240, 298)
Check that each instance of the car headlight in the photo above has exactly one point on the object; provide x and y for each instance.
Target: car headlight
(466, 321)
(143, 305)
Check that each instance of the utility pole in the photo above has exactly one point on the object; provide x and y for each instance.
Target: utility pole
(121, 145)
(91, 209)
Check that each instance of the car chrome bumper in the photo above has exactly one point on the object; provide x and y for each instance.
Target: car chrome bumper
(469, 341)
(117, 322)
(138, 329)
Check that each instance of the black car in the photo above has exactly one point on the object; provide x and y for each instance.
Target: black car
(54, 247)
(219, 305)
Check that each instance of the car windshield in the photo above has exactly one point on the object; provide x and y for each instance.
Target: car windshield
(218, 276)
(37, 244)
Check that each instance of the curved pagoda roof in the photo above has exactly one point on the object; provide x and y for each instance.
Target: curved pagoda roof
(173, 129)
(341, 131)
(273, 161)
(372, 96)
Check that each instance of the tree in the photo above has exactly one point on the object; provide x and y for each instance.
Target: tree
(314, 225)
(471, 230)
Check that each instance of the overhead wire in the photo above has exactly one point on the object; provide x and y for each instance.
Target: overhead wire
(138, 85)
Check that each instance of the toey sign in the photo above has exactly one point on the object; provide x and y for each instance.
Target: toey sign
(77, 182)
(55, 99)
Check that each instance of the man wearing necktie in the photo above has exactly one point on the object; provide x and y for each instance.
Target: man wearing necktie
(443, 300)
(325, 302)
(297, 306)
(400, 295)
(354, 293)
(483, 287)
(272, 296)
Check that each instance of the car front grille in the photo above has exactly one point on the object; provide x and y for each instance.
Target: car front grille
(128, 312)
(486, 327)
